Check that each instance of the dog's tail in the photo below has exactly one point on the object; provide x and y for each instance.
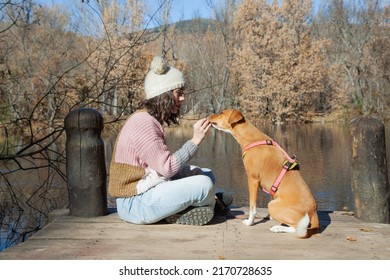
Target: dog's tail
(301, 229)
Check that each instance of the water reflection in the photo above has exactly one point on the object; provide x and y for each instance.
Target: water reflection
(29, 191)
(323, 151)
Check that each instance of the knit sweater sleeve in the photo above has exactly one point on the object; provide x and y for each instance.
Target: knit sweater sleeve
(157, 156)
(142, 143)
(185, 153)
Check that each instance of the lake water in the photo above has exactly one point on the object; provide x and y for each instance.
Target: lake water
(323, 152)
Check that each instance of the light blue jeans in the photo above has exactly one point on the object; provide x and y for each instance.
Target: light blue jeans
(191, 187)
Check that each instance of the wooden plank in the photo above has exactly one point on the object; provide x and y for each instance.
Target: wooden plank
(342, 237)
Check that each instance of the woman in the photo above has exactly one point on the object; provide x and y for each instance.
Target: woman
(149, 182)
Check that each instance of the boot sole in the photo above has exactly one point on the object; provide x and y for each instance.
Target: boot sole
(197, 216)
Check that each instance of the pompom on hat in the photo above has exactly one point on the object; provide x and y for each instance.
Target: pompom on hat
(162, 78)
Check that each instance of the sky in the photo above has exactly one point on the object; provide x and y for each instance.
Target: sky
(184, 9)
(181, 9)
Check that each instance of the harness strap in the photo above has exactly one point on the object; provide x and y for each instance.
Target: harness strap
(270, 143)
(289, 164)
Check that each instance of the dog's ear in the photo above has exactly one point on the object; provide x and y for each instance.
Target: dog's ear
(235, 117)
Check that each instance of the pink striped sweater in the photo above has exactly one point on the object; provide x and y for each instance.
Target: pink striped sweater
(141, 143)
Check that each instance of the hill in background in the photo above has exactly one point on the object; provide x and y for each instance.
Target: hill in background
(190, 26)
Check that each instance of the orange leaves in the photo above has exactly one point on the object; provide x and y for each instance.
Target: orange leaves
(277, 61)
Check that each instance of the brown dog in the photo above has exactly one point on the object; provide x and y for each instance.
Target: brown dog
(266, 167)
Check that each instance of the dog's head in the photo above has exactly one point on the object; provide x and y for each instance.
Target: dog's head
(226, 120)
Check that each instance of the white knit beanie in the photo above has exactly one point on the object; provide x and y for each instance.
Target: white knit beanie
(162, 78)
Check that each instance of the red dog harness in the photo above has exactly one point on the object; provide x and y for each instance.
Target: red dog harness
(289, 164)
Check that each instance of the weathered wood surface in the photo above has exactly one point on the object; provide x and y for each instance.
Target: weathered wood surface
(107, 237)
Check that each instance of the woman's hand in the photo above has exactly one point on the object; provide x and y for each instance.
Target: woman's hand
(201, 128)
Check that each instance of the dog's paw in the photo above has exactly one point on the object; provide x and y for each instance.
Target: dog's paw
(247, 222)
(278, 229)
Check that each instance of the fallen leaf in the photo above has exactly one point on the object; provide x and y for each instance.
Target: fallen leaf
(350, 238)
(348, 213)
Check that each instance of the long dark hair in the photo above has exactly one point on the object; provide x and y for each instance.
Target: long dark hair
(160, 107)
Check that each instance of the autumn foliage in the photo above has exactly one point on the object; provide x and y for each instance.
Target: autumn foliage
(278, 65)
(275, 60)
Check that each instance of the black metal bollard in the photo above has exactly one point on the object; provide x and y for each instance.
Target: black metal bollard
(85, 163)
(370, 183)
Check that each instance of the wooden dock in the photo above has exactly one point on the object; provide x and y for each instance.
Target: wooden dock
(342, 237)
